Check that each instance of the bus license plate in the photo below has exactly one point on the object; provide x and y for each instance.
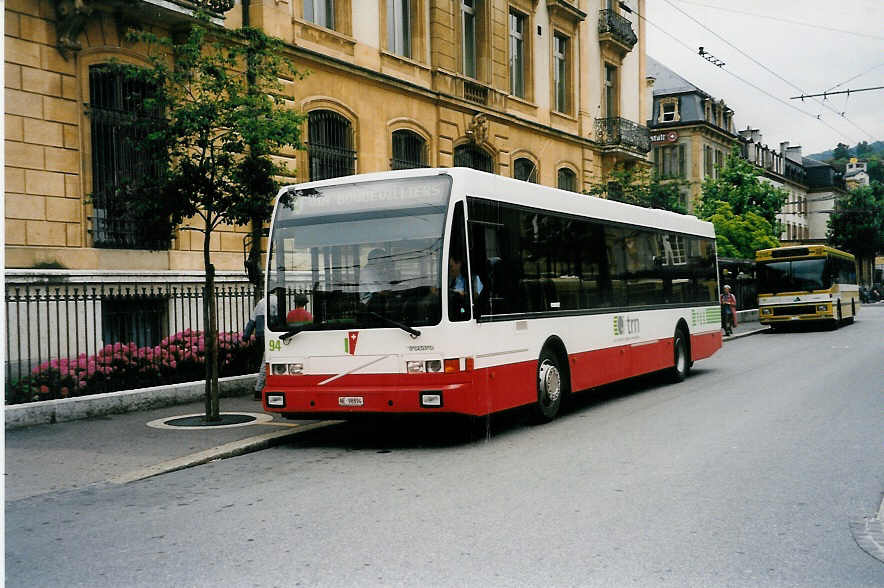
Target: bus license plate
(350, 401)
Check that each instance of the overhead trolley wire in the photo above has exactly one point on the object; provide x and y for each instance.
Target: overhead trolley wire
(770, 71)
(747, 82)
(786, 20)
(859, 75)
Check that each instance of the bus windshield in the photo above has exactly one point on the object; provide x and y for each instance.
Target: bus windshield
(793, 276)
(359, 255)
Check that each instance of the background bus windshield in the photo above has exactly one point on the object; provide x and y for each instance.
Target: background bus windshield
(360, 255)
(793, 276)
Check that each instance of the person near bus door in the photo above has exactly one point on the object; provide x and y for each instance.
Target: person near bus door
(256, 326)
(730, 300)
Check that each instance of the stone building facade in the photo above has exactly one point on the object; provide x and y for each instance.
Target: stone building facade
(692, 132)
(545, 90)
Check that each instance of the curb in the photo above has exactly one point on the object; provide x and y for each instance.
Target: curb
(746, 334)
(232, 449)
(84, 407)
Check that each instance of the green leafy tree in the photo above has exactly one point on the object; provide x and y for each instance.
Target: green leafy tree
(222, 116)
(739, 184)
(740, 236)
(841, 151)
(857, 224)
(642, 187)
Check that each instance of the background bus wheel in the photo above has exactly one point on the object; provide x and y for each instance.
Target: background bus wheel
(680, 352)
(550, 387)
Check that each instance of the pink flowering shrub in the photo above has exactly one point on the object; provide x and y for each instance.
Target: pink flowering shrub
(178, 358)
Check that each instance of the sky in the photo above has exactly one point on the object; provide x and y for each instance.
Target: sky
(784, 48)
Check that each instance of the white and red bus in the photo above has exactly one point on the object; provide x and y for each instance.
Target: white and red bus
(458, 291)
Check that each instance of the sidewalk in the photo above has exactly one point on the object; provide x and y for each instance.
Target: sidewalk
(121, 448)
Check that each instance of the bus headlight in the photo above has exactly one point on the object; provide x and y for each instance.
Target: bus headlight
(431, 366)
(282, 369)
(822, 307)
(766, 311)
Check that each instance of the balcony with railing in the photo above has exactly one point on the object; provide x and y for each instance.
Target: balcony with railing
(616, 31)
(620, 133)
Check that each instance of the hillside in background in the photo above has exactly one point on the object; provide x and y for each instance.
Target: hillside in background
(874, 148)
(871, 153)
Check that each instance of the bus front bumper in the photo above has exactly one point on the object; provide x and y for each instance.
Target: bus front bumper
(366, 398)
(795, 312)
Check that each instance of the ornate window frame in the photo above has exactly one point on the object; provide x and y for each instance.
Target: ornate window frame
(662, 104)
(315, 103)
(412, 125)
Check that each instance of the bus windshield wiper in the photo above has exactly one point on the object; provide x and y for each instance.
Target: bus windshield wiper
(411, 331)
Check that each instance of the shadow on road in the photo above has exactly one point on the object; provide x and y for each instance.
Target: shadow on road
(804, 327)
(385, 433)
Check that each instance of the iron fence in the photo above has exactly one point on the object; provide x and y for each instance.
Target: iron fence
(48, 324)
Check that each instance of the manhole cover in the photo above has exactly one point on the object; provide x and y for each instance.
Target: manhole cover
(198, 421)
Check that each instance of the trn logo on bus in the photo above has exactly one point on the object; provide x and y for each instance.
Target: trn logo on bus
(625, 325)
(350, 342)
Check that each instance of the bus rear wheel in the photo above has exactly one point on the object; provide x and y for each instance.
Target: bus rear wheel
(681, 365)
(551, 387)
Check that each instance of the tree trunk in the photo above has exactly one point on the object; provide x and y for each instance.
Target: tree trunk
(213, 411)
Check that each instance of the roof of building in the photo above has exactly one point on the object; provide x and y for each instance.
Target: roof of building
(808, 162)
(854, 172)
(667, 81)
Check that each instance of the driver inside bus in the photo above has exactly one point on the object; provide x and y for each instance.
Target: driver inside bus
(377, 275)
(457, 283)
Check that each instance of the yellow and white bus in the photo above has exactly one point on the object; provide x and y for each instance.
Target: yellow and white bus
(806, 283)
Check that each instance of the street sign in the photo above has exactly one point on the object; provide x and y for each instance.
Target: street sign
(664, 138)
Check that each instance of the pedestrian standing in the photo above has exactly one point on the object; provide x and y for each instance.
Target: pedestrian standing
(256, 325)
(731, 301)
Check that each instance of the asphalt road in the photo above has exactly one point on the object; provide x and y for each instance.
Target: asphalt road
(746, 474)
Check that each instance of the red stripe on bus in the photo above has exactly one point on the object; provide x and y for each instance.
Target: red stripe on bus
(481, 391)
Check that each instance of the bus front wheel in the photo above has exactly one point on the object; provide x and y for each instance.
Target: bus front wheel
(682, 364)
(550, 386)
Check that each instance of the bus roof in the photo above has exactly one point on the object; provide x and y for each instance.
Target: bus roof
(487, 185)
(799, 251)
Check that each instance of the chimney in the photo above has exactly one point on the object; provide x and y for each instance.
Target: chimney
(784, 147)
(794, 153)
(751, 135)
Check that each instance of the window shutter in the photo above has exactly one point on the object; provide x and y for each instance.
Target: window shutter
(681, 170)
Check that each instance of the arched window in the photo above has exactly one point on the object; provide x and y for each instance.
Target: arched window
(409, 150)
(329, 145)
(524, 169)
(471, 156)
(567, 180)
